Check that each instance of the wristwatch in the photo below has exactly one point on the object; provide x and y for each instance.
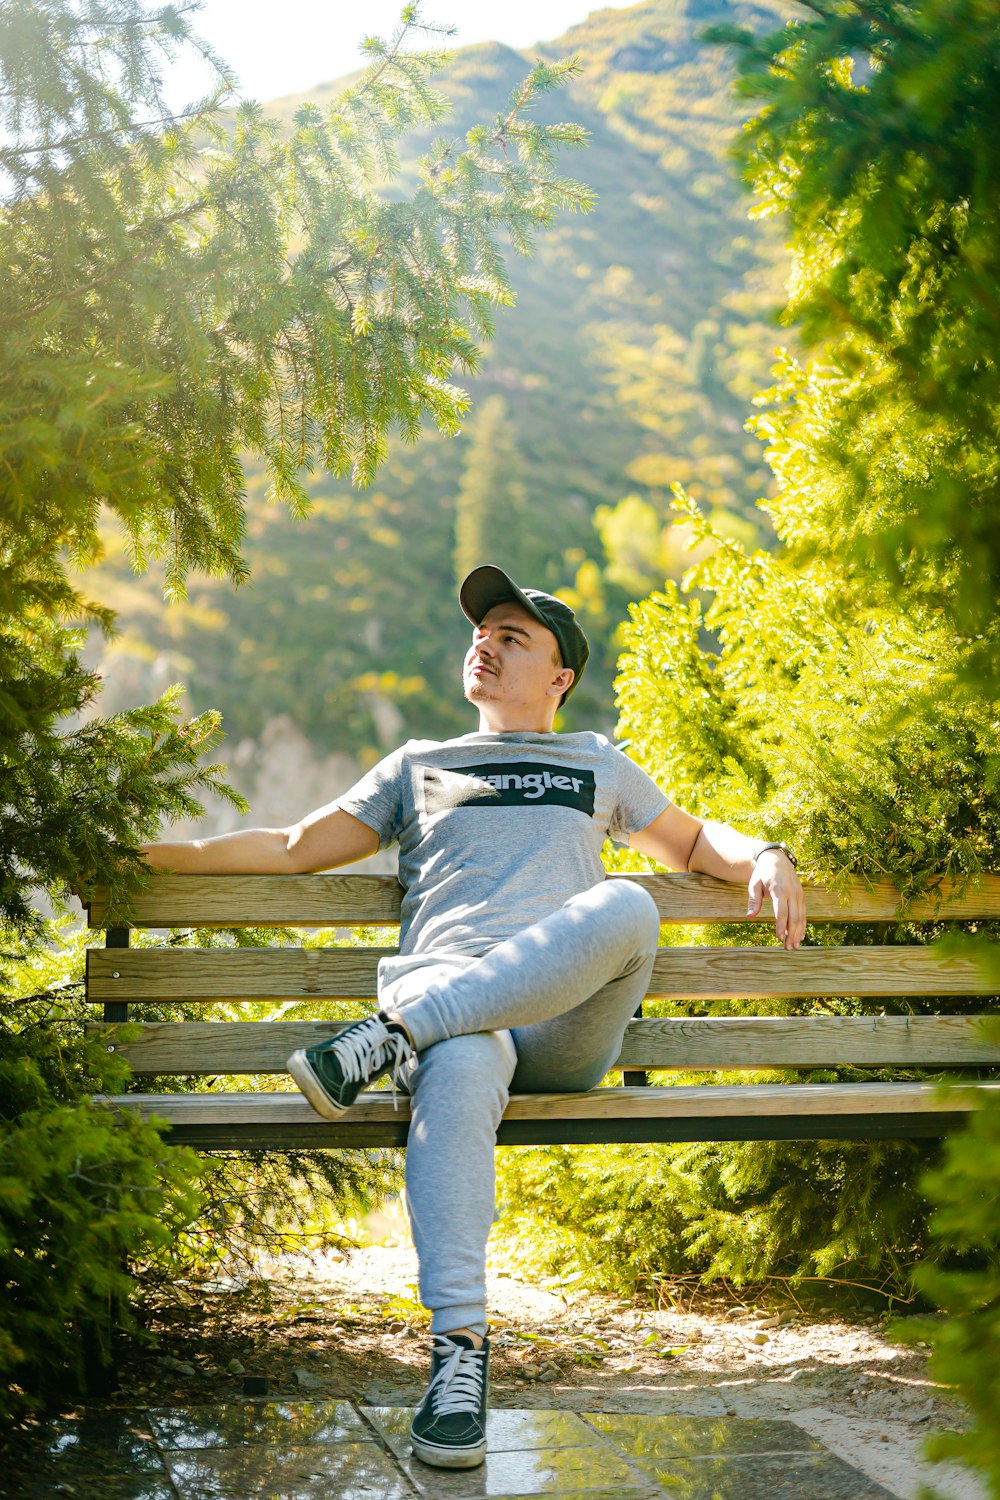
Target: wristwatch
(784, 849)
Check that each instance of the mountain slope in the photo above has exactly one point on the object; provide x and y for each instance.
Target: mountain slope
(639, 334)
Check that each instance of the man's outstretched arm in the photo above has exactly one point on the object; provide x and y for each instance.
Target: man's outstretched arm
(324, 839)
(682, 842)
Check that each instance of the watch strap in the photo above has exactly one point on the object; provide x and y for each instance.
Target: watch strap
(784, 849)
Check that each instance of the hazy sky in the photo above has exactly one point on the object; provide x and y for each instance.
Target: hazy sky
(289, 47)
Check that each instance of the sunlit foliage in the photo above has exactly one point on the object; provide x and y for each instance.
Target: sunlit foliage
(876, 144)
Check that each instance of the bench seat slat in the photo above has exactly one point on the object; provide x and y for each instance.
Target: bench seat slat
(221, 1047)
(679, 973)
(684, 1099)
(759, 1111)
(355, 900)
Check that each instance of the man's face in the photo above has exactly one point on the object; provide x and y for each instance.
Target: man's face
(513, 659)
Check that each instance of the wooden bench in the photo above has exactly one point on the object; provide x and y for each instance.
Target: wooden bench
(953, 1044)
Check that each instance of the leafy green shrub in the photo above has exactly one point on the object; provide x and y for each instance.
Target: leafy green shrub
(629, 1217)
(962, 1277)
(97, 1210)
(839, 692)
(821, 712)
(83, 1193)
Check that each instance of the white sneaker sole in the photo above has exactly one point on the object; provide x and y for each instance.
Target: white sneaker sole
(298, 1066)
(448, 1458)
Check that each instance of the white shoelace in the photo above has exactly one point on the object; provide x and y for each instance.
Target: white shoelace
(368, 1049)
(458, 1385)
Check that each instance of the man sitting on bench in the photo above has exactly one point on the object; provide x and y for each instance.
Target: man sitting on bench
(519, 965)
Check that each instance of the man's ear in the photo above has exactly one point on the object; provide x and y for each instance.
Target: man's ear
(561, 682)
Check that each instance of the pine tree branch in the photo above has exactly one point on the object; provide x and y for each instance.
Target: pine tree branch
(100, 137)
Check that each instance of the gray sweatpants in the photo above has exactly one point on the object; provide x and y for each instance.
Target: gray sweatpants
(544, 1011)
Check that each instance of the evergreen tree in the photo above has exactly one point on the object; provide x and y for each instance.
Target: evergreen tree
(841, 692)
(181, 293)
(877, 141)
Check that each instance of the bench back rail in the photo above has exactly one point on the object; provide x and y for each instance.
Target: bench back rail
(374, 900)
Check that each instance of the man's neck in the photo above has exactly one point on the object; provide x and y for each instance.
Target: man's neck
(514, 724)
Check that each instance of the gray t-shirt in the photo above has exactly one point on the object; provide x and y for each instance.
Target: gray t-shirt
(495, 831)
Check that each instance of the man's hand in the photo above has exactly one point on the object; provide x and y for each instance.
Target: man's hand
(682, 842)
(774, 875)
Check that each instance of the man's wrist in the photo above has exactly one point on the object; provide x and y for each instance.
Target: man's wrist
(784, 850)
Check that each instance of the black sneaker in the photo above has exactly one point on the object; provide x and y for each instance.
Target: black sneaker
(332, 1074)
(449, 1429)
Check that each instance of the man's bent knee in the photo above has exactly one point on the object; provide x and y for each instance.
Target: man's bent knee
(635, 908)
(476, 1066)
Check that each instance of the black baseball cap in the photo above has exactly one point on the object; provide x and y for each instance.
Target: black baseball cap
(488, 586)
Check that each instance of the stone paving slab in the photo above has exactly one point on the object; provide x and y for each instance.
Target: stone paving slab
(640, 1436)
(349, 1471)
(287, 1450)
(522, 1463)
(233, 1425)
(791, 1476)
(506, 1431)
(111, 1456)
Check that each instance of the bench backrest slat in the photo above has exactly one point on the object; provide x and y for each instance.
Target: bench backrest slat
(358, 900)
(207, 1047)
(163, 974)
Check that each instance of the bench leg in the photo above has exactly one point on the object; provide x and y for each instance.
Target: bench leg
(634, 1078)
(99, 1337)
